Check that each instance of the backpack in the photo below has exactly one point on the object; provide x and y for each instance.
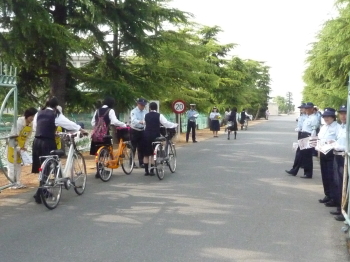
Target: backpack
(100, 129)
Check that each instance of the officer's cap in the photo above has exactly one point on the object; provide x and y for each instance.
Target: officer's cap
(192, 104)
(342, 108)
(302, 105)
(309, 105)
(142, 101)
(328, 111)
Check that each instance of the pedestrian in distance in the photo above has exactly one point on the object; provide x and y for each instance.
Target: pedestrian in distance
(267, 114)
(23, 133)
(308, 129)
(153, 120)
(106, 112)
(226, 117)
(45, 123)
(192, 115)
(233, 123)
(215, 121)
(242, 118)
(338, 165)
(137, 117)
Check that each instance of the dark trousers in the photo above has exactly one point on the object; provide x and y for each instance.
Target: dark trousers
(338, 166)
(191, 125)
(303, 158)
(136, 142)
(326, 163)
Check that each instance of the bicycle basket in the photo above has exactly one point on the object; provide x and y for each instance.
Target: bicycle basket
(171, 132)
(123, 133)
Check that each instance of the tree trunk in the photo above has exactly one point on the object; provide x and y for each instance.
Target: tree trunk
(58, 67)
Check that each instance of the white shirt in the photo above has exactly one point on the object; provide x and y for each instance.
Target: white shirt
(112, 117)
(329, 132)
(310, 123)
(136, 116)
(214, 116)
(340, 144)
(60, 120)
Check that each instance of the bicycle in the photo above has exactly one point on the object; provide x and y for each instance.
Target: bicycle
(52, 176)
(164, 152)
(107, 159)
(245, 125)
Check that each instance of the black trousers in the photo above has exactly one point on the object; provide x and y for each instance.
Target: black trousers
(327, 172)
(136, 142)
(303, 158)
(191, 125)
(338, 166)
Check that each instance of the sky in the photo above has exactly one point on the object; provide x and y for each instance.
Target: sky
(278, 32)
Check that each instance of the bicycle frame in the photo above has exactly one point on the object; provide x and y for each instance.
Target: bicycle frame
(115, 162)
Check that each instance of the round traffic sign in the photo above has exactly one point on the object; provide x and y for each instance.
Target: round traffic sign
(179, 106)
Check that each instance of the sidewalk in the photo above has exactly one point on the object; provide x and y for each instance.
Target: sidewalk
(31, 180)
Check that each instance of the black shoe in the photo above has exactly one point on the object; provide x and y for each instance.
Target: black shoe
(330, 203)
(147, 174)
(135, 166)
(290, 172)
(37, 199)
(339, 218)
(142, 165)
(307, 177)
(195, 141)
(325, 199)
(97, 175)
(335, 213)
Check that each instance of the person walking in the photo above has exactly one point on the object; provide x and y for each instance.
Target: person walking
(338, 164)
(192, 115)
(267, 113)
(107, 112)
(328, 134)
(234, 123)
(153, 120)
(225, 120)
(215, 121)
(309, 126)
(44, 124)
(21, 142)
(137, 117)
(242, 118)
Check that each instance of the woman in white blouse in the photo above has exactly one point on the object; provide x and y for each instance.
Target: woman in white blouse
(215, 121)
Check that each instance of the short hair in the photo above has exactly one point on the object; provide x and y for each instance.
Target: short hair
(53, 102)
(153, 106)
(243, 109)
(234, 109)
(30, 112)
(109, 101)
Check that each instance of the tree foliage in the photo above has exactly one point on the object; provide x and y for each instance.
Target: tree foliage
(137, 48)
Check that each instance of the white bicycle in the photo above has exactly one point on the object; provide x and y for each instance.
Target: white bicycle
(52, 176)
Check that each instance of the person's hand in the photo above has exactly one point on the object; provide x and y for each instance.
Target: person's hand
(142, 122)
(84, 132)
(23, 149)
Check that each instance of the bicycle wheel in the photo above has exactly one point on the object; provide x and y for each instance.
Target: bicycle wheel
(79, 173)
(51, 188)
(172, 158)
(159, 162)
(103, 157)
(127, 161)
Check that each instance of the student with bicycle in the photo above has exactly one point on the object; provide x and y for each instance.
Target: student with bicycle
(44, 124)
(153, 120)
(107, 112)
(233, 120)
(137, 116)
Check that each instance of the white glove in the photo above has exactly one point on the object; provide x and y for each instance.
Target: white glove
(313, 133)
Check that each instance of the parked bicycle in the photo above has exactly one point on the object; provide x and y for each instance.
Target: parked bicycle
(164, 152)
(52, 176)
(108, 159)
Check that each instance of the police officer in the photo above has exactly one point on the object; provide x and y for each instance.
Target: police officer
(327, 135)
(309, 126)
(137, 116)
(298, 159)
(192, 115)
(338, 164)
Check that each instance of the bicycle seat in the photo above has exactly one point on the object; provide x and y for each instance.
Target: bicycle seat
(160, 139)
(107, 137)
(58, 152)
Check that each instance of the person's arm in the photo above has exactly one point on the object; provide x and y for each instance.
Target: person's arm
(167, 123)
(114, 119)
(64, 122)
(34, 123)
(93, 121)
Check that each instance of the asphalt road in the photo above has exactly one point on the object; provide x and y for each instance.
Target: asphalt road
(227, 201)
